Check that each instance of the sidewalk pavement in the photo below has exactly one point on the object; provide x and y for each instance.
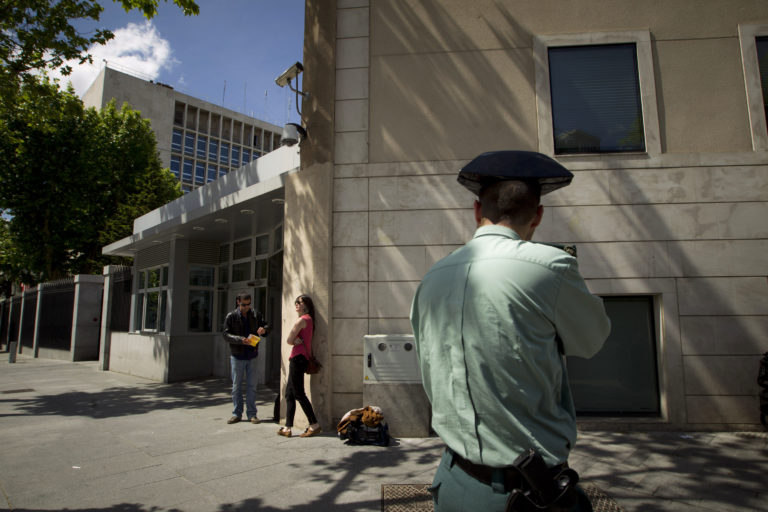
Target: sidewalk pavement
(79, 439)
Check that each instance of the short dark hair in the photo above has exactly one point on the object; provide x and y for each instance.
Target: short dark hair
(513, 201)
(243, 296)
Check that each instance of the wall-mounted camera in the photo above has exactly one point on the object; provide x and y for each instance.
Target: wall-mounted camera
(289, 74)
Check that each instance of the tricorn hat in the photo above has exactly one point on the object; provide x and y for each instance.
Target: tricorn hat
(494, 166)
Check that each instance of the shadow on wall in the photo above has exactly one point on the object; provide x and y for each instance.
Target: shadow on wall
(634, 223)
(463, 93)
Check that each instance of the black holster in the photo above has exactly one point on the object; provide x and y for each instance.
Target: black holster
(543, 488)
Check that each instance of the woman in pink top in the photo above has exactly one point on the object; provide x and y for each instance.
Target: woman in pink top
(300, 338)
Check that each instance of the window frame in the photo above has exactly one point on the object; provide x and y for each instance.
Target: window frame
(202, 288)
(143, 289)
(642, 41)
(752, 84)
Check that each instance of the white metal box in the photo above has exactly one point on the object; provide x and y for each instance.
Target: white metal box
(390, 358)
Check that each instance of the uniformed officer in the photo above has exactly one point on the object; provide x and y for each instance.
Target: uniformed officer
(491, 323)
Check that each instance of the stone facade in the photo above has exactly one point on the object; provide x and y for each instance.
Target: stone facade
(421, 88)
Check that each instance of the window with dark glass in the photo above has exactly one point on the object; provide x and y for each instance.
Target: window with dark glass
(235, 156)
(224, 153)
(595, 94)
(176, 166)
(226, 128)
(203, 124)
(213, 150)
(222, 171)
(762, 61)
(176, 141)
(241, 249)
(215, 122)
(211, 173)
(622, 378)
(237, 129)
(200, 298)
(202, 146)
(262, 244)
(199, 173)
(186, 174)
(191, 118)
(257, 138)
(189, 144)
(178, 114)
(246, 156)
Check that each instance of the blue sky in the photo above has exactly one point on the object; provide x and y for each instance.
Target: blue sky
(230, 54)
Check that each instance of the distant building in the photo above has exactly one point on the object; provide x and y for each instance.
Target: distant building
(197, 140)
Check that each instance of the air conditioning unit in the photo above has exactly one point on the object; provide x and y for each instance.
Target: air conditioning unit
(390, 358)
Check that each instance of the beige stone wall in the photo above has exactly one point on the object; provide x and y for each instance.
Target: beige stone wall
(422, 87)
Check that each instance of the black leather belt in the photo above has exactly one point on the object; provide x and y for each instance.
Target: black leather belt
(511, 476)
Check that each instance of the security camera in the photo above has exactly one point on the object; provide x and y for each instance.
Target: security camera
(289, 74)
(292, 134)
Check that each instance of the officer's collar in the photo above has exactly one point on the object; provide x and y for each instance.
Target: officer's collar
(495, 229)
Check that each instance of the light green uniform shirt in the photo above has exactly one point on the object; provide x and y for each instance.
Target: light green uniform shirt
(485, 320)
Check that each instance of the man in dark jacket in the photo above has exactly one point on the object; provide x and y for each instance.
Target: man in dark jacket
(238, 325)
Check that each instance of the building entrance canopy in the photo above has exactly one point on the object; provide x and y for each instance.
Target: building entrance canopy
(216, 211)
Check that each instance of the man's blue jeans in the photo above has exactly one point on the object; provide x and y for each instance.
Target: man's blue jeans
(243, 369)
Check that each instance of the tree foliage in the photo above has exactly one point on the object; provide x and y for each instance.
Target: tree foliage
(36, 35)
(73, 179)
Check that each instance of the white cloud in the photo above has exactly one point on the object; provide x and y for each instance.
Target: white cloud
(137, 49)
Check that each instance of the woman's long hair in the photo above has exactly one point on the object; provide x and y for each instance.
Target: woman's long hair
(307, 301)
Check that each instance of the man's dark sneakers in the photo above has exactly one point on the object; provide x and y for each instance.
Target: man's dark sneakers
(233, 419)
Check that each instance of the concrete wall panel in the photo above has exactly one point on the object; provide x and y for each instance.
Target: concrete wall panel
(351, 115)
(723, 296)
(350, 300)
(414, 26)
(430, 227)
(390, 326)
(723, 409)
(351, 147)
(352, 84)
(419, 193)
(624, 223)
(716, 335)
(398, 263)
(352, 22)
(350, 229)
(350, 264)
(348, 374)
(392, 300)
(350, 195)
(420, 109)
(349, 335)
(691, 81)
(720, 375)
(352, 53)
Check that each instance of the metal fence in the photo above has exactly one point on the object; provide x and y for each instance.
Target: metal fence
(13, 320)
(5, 309)
(57, 300)
(121, 299)
(28, 319)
